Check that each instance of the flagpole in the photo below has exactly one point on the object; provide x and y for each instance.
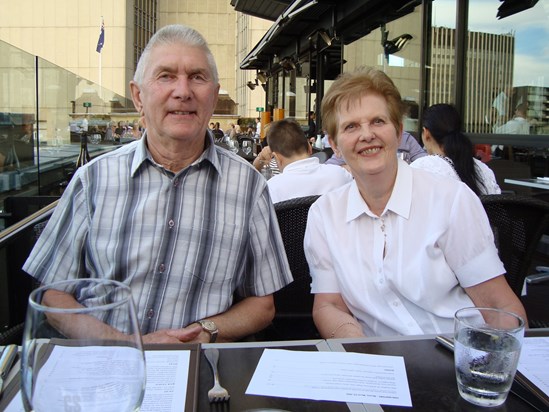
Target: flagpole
(100, 67)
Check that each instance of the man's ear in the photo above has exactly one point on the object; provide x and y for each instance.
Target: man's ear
(136, 97)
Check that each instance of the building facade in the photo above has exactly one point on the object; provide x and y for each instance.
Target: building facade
(66, 36)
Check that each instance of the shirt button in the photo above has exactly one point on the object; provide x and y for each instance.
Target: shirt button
(395, 303)
(161, 268)
(171, 223)
(150, 313)
(176, 182)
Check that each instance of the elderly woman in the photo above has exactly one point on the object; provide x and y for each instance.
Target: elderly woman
(398, 250)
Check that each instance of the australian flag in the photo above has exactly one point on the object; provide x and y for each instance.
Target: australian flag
(101, 40)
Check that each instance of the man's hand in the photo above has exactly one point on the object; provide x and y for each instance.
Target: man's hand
(190, 334)
(263, 157)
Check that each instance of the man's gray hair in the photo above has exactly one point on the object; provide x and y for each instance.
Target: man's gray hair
(175, 34)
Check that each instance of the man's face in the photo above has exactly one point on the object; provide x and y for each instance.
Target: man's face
(178, 94)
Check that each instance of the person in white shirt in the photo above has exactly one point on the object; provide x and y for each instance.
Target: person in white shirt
(451, 152)
(399, 250)
(518, 124)
(301, 175)
(257, 127)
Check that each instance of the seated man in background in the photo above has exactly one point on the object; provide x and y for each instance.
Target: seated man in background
(301, 175)
(186, 224)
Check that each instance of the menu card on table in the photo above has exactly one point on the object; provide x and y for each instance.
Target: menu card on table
(331, 376)
(172, 374)
(533, 369)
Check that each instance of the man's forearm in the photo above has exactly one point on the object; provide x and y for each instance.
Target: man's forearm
(244, 318)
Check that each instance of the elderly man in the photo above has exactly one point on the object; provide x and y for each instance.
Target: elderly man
(187, 225)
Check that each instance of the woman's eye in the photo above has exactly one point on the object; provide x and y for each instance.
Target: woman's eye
(349, 127)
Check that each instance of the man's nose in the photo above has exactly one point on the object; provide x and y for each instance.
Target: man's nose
(182, 88)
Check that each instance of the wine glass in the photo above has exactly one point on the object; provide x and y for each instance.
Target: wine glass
(247, 147)
(82, 349)
(234, 146)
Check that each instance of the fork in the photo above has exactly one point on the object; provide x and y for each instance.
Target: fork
(218, 393)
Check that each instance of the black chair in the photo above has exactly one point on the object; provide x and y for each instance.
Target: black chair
(518, 223)
(294, 303)
(16, 242)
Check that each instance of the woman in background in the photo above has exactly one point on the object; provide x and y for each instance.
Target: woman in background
(451, 152)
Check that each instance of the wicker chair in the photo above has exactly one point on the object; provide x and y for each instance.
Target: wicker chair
(518, 223)
(16, 243)
(294, 303)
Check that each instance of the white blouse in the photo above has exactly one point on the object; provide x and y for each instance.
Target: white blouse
(402, 273)
(443, 166)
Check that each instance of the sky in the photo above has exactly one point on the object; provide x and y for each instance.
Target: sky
(531, 29)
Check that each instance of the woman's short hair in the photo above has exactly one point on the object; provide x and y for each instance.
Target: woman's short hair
(172, 34)
(348, 88)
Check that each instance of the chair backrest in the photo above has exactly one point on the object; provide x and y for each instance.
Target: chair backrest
(16, 242)
(518, 222)
(294, 302)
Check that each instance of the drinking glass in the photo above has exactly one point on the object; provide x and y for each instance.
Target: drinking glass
(247, 147)
(487, 350)
(401, 154)
(233, 144)
(82, 350)
(266, 170)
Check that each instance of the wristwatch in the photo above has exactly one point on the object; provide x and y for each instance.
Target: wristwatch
(210, 327)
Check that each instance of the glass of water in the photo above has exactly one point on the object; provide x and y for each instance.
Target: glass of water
(487, 350)
(404, 155)
(82, 349)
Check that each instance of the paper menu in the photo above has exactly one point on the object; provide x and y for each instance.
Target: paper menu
(170, 370)
(534, 366)
(331, 376)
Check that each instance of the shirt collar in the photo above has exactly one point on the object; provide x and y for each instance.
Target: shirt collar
(310, 162)
(142, 154)
(400, 201)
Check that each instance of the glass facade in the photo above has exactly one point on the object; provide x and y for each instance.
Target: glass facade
(492, 67)
(42, 109)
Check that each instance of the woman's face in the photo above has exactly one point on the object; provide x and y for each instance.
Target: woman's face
(366, 137)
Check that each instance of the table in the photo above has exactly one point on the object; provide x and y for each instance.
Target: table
(534, 183)
(429, 369)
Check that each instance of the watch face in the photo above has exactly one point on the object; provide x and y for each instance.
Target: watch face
(209, 325)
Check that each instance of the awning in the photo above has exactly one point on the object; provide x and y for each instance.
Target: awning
(345, 20)
(269, 10)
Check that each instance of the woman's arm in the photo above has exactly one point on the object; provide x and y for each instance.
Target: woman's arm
(333, 318)
(496, 293)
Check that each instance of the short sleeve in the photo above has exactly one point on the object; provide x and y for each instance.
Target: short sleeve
(317, 252)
